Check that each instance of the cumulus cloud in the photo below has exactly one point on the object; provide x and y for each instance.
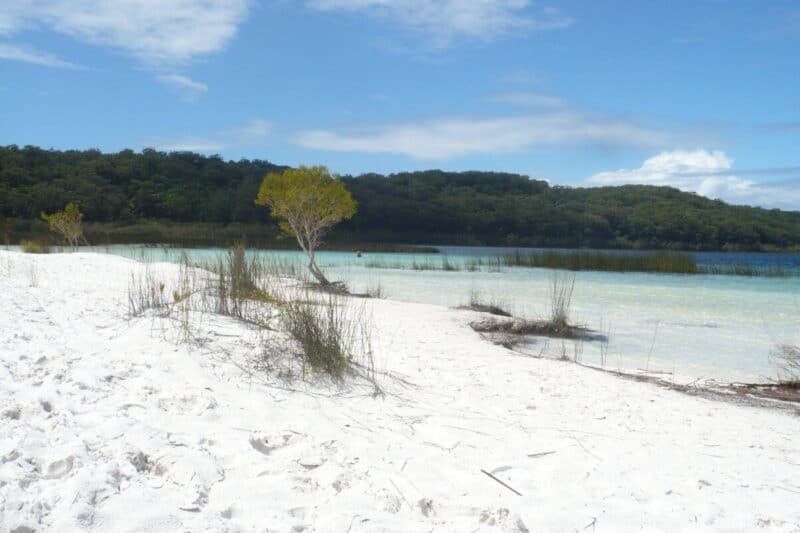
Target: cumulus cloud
(188, 88)
(26, 54)
(154, 31)
(710, 174)
(684, 168)
(444, 138)
(446, 20)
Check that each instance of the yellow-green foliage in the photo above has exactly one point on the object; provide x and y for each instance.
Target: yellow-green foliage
(67, 223)
(33, 247)
(307, 202)
(306, 194)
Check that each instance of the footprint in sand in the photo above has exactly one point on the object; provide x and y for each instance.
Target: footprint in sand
(267, 444)
(12, 413)
(503, 520)
(60, 468)
(426, 506)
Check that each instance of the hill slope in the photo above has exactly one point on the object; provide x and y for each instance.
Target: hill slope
(482, 208)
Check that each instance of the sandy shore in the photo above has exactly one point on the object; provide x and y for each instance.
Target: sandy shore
(111, 424)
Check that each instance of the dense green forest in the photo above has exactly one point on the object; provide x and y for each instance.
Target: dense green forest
(186, 197)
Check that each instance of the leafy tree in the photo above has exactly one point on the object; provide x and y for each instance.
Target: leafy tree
(308, 202)
(67, 223)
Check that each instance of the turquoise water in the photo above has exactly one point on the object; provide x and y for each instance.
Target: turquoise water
(722, 327)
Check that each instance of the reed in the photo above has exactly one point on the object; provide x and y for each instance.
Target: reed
(746, 270)
(660, 262)
(787, 358)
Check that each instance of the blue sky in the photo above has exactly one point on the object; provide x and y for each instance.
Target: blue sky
(703, 95)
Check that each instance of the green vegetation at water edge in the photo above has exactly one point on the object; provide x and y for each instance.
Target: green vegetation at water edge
(655, 262)
(662, 262)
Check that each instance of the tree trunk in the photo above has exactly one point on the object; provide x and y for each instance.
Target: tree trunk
(315, 271)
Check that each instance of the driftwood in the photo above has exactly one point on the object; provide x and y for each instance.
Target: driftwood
(540, 454)
(512, 489)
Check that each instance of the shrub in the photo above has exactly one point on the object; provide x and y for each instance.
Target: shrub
(33, 247)
(67, 223)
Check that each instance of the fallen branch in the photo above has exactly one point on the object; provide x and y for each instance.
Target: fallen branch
(401, 493)
(504, 484)
(540, 454)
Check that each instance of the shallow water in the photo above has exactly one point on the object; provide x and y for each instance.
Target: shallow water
(721, 327)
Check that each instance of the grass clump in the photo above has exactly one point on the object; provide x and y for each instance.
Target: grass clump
(561, 290)
(787, 358)
(146, 293)
(242, 286)
(478, 303)
(300, 325)
(34, 247)
(321, 333)
(509, 332)
(375, 290)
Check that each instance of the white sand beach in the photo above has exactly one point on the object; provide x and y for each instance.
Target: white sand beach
(113, 424)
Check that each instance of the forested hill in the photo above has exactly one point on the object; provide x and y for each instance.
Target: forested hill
(434, 207)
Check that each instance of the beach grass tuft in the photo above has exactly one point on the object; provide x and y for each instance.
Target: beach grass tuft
(787, 358)
(477, 302)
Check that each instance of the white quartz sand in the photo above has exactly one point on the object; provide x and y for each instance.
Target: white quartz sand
(113, 424)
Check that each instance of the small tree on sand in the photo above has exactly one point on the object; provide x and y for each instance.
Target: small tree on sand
(66, 223)
(308, 202)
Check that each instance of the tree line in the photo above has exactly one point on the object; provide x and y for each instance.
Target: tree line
(431, 207)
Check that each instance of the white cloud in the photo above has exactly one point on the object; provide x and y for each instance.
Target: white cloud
(707, 173)
(250, 133)
(154, 31)
(253, 130)
(30, 55)
(190, 89)
(446, 138)
(676, 168)
(446, 20)
(529, 99)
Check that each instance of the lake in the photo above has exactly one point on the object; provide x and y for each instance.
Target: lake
(711, 326)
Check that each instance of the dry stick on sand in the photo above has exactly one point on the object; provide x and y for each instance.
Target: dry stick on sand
(540, 454)
(512, 489)
(401, 493)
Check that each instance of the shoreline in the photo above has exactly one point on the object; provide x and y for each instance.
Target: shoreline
(117, 414)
